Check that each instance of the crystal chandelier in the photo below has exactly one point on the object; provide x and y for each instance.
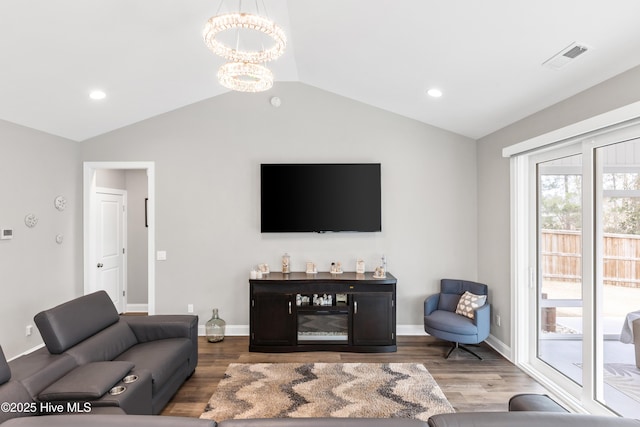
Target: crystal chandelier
(245, 77)
(244, 72)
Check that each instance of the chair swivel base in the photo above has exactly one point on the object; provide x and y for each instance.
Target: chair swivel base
(461, 347)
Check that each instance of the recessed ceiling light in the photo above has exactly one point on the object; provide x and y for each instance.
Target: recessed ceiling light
(97, 95)
(436, 93)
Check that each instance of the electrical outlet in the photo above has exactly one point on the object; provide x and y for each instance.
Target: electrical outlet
(29, 330)
(498, 320)
(190, 308)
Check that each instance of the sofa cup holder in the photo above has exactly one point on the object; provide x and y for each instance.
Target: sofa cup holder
(130, 379)
(117, 390)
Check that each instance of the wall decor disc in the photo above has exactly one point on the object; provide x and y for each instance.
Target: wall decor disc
(60, 203)
(31, 220)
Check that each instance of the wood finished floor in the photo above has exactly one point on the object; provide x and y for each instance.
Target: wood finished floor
(468, 383)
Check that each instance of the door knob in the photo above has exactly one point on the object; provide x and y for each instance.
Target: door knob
(100, 265)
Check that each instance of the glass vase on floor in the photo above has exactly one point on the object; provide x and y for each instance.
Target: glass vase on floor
(215, 327)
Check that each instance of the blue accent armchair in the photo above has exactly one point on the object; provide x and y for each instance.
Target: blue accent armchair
(441, 320)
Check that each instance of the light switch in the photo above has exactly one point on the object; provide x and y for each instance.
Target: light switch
(161, 255)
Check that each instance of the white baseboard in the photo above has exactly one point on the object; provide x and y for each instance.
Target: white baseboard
(137, 308)
(230, 331)
(410, 330)
(31, 350)
(500, 347)
(401, 330)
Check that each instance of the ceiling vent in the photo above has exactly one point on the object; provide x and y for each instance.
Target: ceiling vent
(566, 56)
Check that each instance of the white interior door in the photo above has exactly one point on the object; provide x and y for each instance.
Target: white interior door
(110, 246)
(90, 188)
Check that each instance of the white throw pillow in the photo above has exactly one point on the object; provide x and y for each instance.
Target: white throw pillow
(469, 302)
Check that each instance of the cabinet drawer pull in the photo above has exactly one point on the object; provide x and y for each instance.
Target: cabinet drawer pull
(289, 307)
(355, 307)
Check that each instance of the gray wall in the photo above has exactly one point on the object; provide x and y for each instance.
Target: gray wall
(207, 158)
(493, 180)
(36, 272)
(111, 178)
(137, 237)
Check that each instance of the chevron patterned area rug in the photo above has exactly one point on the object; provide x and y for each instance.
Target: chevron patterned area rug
(351, 390)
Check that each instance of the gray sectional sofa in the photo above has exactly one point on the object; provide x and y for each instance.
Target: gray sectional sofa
(96, 361)
(107, 421)
(525, 410)
(528, 410)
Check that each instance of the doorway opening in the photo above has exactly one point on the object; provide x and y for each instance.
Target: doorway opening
(91, 187)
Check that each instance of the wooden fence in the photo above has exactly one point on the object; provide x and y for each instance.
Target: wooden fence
(561, 257)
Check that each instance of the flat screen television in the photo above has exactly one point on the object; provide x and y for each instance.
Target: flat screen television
(320, 197)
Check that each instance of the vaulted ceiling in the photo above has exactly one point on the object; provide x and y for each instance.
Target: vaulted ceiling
(148, 56)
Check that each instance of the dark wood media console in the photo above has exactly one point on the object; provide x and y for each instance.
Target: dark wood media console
(353, 312)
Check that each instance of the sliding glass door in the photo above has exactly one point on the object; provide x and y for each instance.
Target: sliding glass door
(618, 286)
(582, 293)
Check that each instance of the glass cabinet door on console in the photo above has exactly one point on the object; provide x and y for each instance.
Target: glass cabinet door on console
(273, 320)
(373, 319)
